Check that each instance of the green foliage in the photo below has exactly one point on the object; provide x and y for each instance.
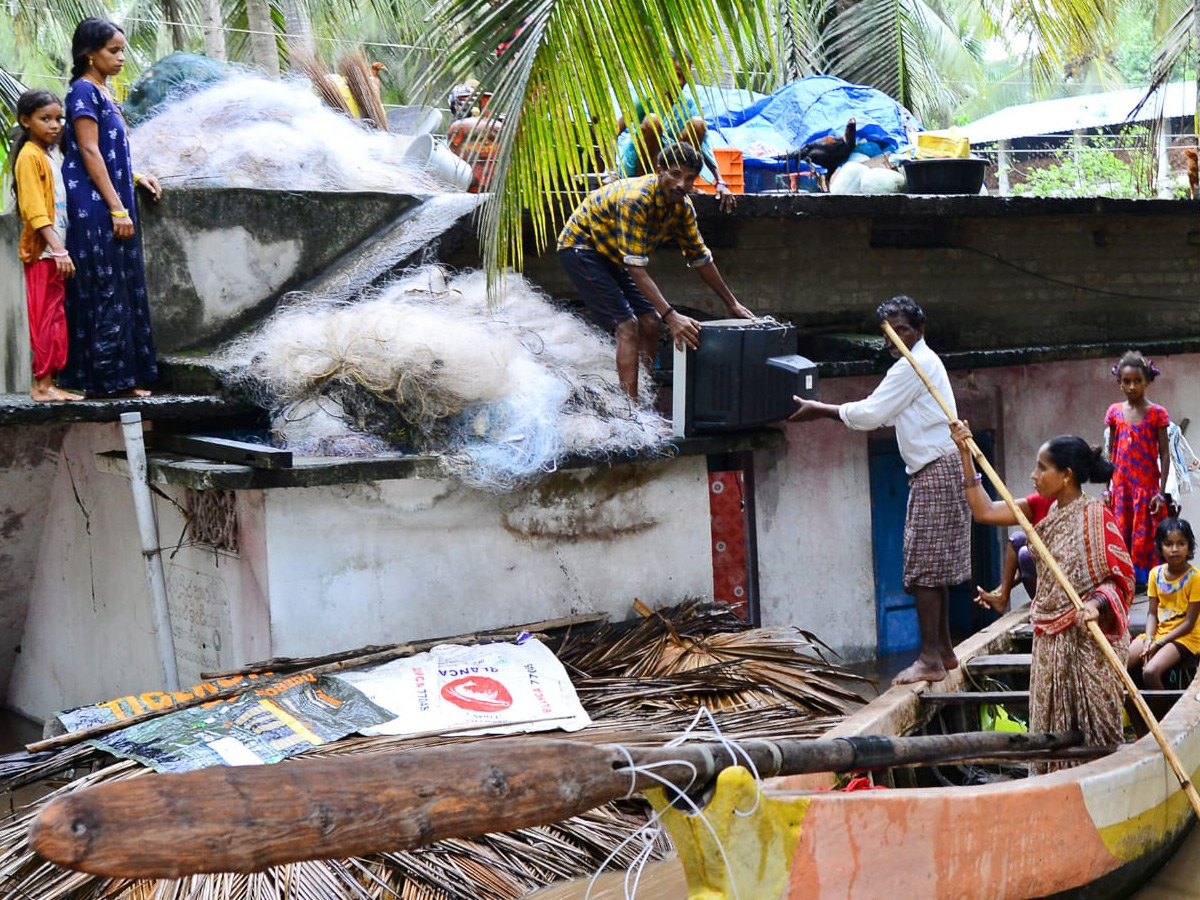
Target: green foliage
(1119, 165)
(1134, 53)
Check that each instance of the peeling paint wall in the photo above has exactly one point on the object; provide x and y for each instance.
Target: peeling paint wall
(328, 568)
(88, 634)
(429, 558)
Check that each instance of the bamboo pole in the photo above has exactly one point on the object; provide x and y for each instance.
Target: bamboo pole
(1035, 541)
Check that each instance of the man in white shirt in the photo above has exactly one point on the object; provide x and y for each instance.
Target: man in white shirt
(937, 528)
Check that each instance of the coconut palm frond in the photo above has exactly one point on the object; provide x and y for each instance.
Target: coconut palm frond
(801, 27)
(562, 81)
(900, 47)
(1060, 31)
(1172, 57)
(757, 684)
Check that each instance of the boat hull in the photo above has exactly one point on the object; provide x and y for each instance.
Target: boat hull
(1091, 832)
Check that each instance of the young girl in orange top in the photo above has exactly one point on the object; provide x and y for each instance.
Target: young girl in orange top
(42, 200)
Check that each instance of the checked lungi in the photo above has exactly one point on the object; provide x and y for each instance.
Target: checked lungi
(937, 527)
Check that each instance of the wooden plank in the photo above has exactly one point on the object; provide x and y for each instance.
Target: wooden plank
(1000, 662)
(980, 698)
(258, 456)
(975, 698)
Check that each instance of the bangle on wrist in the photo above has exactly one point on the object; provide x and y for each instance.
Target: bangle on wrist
(60, 254)
(136, 179)
(119, 213)
(972, 481)
(670, 309)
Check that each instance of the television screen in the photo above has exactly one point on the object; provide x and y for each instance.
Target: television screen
(743, 375)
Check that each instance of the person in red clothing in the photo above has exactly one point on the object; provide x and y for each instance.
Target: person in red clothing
(1018, 558)
(1136, 444)
(1019, 565)
(42, 201)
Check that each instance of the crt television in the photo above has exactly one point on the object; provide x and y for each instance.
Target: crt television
(743, 375)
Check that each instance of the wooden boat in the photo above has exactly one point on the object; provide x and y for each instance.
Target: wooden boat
(1093, 831)
(1090, 832)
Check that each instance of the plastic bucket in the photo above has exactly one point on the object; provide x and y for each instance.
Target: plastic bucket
(437, 161)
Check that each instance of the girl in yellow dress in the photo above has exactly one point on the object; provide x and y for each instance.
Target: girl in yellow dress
(1174, 591)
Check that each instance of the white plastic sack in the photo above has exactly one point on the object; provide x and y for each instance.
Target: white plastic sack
(496, 688)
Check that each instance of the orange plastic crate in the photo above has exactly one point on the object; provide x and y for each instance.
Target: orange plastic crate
(729, 164)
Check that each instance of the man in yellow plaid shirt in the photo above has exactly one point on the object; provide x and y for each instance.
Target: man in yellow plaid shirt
(605, 248)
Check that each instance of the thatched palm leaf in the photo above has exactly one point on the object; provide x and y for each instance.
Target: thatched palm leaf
(562, 82)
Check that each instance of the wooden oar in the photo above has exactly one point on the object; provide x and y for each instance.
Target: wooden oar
(1035, 541)
(247, 818)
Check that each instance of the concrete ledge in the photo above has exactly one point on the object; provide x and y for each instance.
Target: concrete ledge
(19, 409)
(205, 475)
(1015, 356)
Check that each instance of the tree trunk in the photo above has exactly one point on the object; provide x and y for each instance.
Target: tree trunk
(298, 25)
(262, 37)
(1196, 60)
(214, 29)
(174, 18)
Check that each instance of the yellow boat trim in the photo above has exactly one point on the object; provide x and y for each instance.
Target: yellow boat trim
(1129, 839)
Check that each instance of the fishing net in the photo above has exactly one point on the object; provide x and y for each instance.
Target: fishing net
(169, 80)
(423, 365)
(253, 132)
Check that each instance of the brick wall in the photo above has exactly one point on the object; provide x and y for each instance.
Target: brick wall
(992, 272)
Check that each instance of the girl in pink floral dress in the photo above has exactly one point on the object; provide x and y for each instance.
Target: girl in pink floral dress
(1136, 443)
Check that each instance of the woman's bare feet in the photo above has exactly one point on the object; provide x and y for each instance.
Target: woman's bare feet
(920, 671)
(52, 394)
(131, 393)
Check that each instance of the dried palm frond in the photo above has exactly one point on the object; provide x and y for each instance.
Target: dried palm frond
(756, 666)
(641, 681)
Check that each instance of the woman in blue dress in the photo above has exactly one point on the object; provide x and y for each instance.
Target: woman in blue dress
(110, 351)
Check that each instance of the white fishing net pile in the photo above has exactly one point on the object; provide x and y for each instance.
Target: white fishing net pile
(425, 366)
(257, 133)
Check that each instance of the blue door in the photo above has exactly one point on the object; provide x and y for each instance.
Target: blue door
(896, 612)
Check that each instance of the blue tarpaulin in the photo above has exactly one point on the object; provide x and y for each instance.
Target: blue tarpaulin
(765, 126)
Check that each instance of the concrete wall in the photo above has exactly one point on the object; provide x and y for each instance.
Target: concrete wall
(814, 504)
(89, 628)
(15, 357)
(329, 568)
(216, 260)
(990, 271)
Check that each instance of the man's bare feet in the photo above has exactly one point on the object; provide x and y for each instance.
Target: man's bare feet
(920, 671)
(53, 394)
(950, 663)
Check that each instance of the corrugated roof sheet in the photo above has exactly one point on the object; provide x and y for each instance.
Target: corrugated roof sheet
(1087, 111)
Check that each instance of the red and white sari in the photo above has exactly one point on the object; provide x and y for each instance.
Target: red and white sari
(1072, 683)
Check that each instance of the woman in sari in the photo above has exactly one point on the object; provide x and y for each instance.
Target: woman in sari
(1072, 685)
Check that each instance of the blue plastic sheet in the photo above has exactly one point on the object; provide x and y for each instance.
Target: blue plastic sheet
(765, 126)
